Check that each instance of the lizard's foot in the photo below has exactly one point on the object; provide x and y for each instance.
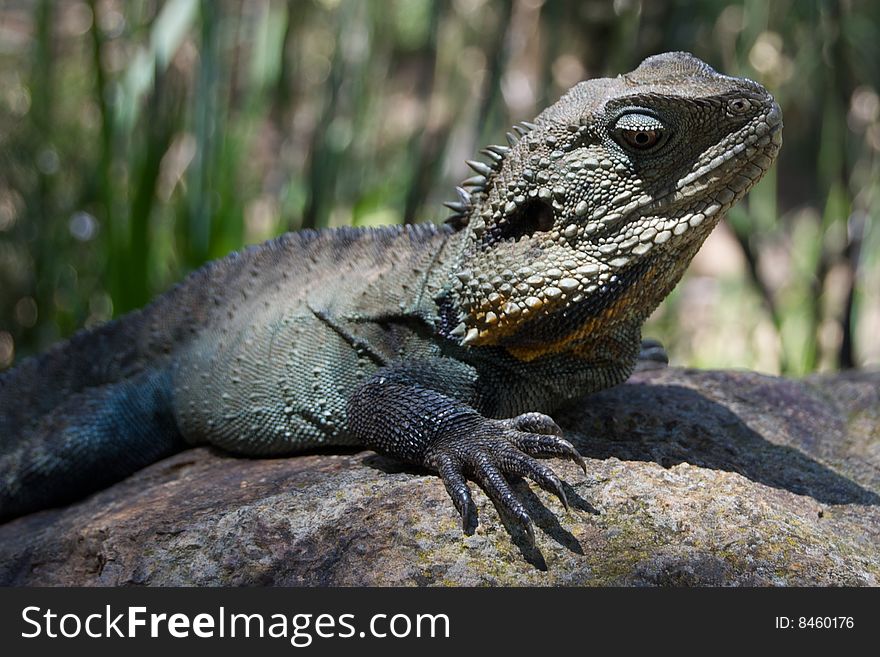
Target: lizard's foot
(487, 450)
(652, 356)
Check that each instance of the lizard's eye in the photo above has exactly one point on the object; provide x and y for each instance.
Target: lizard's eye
(639, 132)
(640, 139)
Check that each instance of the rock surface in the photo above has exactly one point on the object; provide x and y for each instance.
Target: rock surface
(694, 478)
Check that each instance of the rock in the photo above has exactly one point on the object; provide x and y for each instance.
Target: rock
(694, 478)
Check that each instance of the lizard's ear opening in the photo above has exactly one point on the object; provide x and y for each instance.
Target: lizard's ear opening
(533, 216)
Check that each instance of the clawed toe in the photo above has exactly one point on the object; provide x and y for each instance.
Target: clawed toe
(541, 446)
(533, 423)
(450, 472)
(491, 480)
(499, 449)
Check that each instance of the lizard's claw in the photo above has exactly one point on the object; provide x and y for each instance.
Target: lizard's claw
(496, 448)
(533, 423)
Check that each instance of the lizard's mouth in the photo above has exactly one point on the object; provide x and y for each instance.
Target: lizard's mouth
(721, 181)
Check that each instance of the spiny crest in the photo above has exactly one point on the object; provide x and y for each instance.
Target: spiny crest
(495, 154)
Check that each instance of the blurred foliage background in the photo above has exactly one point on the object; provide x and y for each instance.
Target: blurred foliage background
(140, 138)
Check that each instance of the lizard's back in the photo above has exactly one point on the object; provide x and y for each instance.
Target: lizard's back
(255, 342)
(273, 367)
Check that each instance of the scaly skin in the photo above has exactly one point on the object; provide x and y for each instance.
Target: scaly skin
(443, 347)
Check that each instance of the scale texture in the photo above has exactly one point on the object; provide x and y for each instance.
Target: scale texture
(443, 347)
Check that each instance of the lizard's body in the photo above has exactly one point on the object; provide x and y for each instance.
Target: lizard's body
(412, 339)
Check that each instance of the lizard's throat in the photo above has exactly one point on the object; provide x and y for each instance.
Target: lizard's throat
(558, 323)
(618, 301)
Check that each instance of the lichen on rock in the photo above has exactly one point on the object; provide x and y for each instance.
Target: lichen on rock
(694, 478)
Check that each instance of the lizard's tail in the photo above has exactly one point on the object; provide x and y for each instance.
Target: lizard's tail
(93, 438)
(96, 407)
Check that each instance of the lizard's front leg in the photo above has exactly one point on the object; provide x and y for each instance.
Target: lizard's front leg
(426, 413)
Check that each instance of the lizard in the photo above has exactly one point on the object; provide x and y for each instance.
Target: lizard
(443, 346)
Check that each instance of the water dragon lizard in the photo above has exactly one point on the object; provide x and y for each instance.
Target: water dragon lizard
(442, 346)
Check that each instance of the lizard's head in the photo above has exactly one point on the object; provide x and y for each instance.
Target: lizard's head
(593, 212)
